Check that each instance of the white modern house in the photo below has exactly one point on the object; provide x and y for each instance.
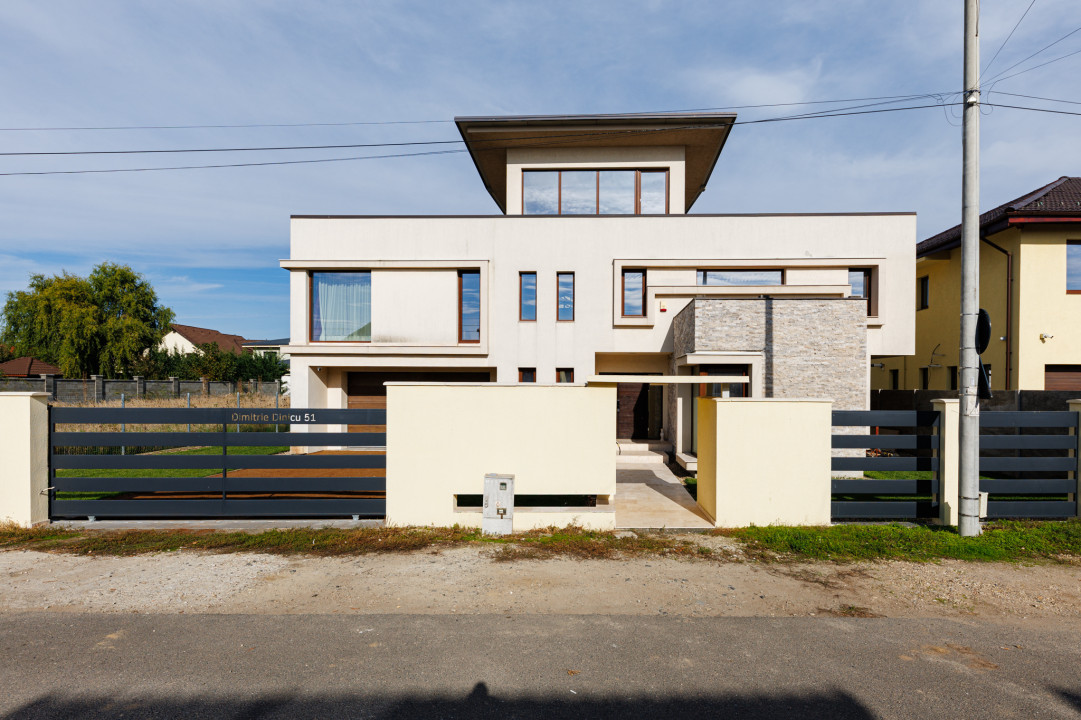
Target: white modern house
(596, 267)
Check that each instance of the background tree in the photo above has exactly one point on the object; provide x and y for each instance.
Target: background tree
(96, 325)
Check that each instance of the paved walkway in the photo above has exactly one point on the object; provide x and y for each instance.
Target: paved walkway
(650, 496)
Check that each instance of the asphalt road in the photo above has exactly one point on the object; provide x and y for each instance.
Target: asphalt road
(64, 665)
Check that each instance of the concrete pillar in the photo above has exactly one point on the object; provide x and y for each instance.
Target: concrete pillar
(24, 447)
(744, 480)
(253, 386)
(99, 387)
(1075, 475)
(140, 385)
(206, 385)
(175, 385)
(50, 385)
(947, 454)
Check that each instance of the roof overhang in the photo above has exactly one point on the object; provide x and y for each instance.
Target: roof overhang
(701, 134)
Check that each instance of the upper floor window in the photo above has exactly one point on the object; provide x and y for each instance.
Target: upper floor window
(741, 277)
(1073, 266)
(341, 306)
(468, 306)
(565, 296)
(595, 192)
(564, 375)
(923, 293)
(527, 296)
(860, 281)
(634, 293)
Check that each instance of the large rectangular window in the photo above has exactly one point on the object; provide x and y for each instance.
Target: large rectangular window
(527, 296)
(565, 296)
(1073, 266)
(341, 306)
(740, 277)
(468, 306)
(595, 192)
(634, 293)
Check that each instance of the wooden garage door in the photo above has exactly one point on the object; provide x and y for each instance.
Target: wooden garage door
(366, 391)
(1062, 377)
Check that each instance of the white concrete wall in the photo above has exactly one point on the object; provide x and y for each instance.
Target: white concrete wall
(441, 440)
(415, 307)
(24, 453)
(815, 249)
(175, 342)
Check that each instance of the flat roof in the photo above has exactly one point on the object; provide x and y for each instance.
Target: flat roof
(488, 138)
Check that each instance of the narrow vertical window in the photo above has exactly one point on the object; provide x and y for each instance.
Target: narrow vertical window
(860, 281)
(341, 307)
(527, 375)
(895, 379)
(653, 197)
(468, 306)
(565, 296)
(564, 375)
(953, 377)
(527, 296)
(925, 383)
(634, 293)
(923, 293)
(1073, 266)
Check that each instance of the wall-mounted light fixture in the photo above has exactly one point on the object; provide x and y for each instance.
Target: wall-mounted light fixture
(1044, 337)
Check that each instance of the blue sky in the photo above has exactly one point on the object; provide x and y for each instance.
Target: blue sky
(210, 240)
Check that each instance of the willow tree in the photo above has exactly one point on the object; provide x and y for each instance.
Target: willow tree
(100, 324)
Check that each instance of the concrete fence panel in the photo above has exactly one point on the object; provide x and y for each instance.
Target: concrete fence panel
(556, 441)
(764, 461)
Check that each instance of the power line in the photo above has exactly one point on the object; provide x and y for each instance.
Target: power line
(574, 138)
(1033, 109)
(1036, 67)
(1037, 97)
(1046, 47)
(1016, 25)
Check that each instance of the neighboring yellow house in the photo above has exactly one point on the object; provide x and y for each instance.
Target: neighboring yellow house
(1030, 283)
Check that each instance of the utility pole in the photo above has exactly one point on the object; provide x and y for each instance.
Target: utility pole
(969, 456)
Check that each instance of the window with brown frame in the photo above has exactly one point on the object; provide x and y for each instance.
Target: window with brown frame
(565, 297)
(595, 192)
(340, 306)
(564, 375)
(527, 375)
(469, 306)
(527, 296)
(859, 279)
(634, 293)
(1073, 266)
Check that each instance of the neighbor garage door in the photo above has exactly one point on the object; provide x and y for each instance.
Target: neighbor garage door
(1062, 377)
(366, 390)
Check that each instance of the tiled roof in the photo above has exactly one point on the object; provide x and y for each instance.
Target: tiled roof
(1061, 197)
(27, 367)
(200, 336)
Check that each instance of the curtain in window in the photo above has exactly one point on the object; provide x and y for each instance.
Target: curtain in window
(342, 306)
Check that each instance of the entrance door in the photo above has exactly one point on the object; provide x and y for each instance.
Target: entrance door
(639, 409)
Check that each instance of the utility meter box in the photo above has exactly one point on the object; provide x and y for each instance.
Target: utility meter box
(498, 517)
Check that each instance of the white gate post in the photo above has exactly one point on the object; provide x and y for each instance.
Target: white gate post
(24, 447)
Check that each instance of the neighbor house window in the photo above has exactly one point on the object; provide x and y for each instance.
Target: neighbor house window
(953, 377)
(923, 293)
(527, 296)
(527, 375)
(341, 304)
(565, 296)
(741, 277)
(634, 293)
(859, 279)
(564, 375)
(895, 380)
(1073, 266)
(925, 382)
(595, 192)
(469, 306)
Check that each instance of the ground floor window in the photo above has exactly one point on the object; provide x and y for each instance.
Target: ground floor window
(564, 375)
(341, 306)
(527, 375)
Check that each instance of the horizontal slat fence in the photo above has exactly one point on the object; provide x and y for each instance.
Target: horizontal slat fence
(1026, 464)
(220, 468)
(904, 441)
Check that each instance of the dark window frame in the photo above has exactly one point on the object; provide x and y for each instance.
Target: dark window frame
(923, 292)
(623, 292)
(573, 289)
(700, 273)
(523, 370)
(868, 288)
(461, 300)
(597, 187)
(311, 305)
(1069, 243)
(521, 296)
(568, 371)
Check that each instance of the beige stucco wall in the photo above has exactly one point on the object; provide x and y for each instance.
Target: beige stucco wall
(1045, 307)
(415, 307)
(24, 449)
(639, 158)
(441, 440)
(671, 248)
(744, 480)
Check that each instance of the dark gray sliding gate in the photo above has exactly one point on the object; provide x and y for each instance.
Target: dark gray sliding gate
(216, 470)
(905, 486)
(1025, 464)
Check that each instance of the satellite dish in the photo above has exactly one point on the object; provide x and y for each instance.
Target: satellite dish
(983, 331)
